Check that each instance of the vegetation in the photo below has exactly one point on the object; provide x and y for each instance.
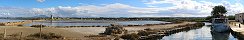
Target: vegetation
(114, 30)
(132, 36)
(36, 36)
(143, 33)
(218, 11)
(181, 19)
(231, 17)
(46, 36)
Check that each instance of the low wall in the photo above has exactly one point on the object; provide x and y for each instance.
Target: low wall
(108, 26)
(165, 32)
(151, 34)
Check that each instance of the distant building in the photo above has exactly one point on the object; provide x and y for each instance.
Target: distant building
(239, 17)
(51, 17)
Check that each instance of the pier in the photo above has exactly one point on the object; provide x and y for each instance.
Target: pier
(238, 29)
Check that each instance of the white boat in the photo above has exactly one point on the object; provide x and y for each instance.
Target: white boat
(220, 25)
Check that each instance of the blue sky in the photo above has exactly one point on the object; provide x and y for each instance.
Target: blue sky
(116, 8)
(55, 3)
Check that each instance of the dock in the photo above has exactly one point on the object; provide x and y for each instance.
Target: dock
(236, 26)
(237, 29)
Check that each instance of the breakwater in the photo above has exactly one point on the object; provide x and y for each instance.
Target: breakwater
(154, 34)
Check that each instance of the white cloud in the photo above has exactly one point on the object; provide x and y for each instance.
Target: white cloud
(145, 10)
(14, 12)
(110, 10)
(193, 7)
(40, 0)
(180, 8)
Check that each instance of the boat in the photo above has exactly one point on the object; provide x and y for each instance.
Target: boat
(220, 36)
(220, 25)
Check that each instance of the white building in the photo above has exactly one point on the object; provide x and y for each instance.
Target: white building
(239, 17)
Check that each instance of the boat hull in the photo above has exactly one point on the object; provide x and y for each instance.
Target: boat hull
(220, 28)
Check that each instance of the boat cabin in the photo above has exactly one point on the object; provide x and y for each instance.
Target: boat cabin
(220, 20)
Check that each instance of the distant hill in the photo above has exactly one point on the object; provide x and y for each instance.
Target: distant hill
(41, 16)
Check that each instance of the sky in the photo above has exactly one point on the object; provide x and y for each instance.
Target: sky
(116, 8)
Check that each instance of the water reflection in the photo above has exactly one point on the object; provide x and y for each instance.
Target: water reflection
(220, 36)
(92, 23)
(203, 33)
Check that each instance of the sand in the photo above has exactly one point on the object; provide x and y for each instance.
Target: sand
(30, 30)
(87, 30)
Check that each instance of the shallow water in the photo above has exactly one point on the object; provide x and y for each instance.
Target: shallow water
(93, 23)
(203, 33)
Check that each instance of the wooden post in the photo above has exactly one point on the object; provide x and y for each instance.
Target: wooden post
(4, 35)
(239, 25)
(20, 35)
(40, 31)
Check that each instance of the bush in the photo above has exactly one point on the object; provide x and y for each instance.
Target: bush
(143, 33)
(113, 30)
(132, 36)
(19, 25)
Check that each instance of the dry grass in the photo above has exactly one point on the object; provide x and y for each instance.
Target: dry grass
(30, 30)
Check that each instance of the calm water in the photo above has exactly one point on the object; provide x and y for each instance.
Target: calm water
(93, 23)
(203, 33)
